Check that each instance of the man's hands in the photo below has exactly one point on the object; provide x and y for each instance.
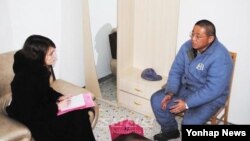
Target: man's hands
(165, 101)
(178, 107)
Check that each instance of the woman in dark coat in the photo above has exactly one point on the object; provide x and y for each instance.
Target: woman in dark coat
(35, 103)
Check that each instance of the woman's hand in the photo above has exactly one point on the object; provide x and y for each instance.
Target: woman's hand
(63, 101)
(64, 97)
(63, 104)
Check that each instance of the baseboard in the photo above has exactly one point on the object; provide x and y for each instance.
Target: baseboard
(105, 77)
(109, 102)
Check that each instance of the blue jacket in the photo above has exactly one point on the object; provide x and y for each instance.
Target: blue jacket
(202, 79)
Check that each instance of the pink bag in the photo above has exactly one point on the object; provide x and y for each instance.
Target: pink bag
(124, 127)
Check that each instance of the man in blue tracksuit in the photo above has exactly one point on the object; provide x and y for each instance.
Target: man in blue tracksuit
(198, 82)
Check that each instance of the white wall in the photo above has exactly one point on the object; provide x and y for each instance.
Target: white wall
(71, 53)
(59, 20)
(20, 19)
(232, 21)
(62, 22)
(103, 18)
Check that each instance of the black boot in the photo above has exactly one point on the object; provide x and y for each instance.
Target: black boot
(166, 136)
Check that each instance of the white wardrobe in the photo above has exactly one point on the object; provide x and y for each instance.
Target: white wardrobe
(147, 36)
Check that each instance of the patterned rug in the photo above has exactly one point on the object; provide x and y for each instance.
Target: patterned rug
(111, 113)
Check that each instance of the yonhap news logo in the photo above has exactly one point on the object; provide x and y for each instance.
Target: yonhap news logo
(215, 132)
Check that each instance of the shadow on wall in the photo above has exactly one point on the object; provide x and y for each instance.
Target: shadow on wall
(102, 48)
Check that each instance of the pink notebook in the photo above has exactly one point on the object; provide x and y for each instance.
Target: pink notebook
(80, 101)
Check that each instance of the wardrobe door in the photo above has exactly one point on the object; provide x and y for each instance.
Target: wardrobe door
(91, 80)
(147, 35)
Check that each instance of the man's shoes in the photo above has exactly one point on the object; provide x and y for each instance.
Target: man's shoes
(166, 136)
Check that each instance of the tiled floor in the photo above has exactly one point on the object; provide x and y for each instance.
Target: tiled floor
(111, 113)
(108, 88)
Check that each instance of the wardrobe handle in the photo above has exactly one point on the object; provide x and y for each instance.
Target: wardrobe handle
(138, 90)
(136, 103)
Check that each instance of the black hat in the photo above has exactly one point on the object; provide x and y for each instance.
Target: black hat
(150, 74)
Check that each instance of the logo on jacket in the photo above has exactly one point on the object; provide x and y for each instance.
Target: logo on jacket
(200, 66)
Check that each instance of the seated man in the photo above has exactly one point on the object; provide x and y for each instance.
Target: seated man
(198, 82)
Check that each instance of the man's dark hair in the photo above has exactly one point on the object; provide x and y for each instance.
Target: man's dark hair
(209, 26)
(36, 47)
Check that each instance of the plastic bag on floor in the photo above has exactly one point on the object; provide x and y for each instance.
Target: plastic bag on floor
(125, 127)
